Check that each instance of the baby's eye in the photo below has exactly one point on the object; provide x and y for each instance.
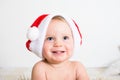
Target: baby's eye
(50, 38)
(65, 37)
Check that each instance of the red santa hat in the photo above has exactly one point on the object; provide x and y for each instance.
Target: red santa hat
(36, 33)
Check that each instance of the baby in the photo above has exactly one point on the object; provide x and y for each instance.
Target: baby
(54, 38)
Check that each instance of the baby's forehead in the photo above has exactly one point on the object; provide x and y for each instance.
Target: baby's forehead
(57, 26)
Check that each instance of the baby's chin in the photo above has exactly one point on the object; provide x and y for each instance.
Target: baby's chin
(59, 60)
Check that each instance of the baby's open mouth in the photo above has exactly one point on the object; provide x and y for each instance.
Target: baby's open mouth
(58, 52)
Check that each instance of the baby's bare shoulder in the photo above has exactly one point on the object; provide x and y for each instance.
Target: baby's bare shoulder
(39, 63)
(38, 71)
(80, 68)
(38, 66)
(80, 71)
(77, 63)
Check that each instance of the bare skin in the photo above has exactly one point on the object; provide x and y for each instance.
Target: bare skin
(64, 71)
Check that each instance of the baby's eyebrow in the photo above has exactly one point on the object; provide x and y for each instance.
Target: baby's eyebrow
(63, 34)
(67, 34)
(48, 36)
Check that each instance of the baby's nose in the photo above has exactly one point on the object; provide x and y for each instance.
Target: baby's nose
(58, 43)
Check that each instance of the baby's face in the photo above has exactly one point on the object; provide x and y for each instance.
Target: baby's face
(58, 44)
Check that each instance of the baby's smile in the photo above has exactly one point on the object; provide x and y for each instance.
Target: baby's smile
(58, 52)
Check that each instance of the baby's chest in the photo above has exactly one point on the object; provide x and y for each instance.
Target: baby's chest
(61, 75)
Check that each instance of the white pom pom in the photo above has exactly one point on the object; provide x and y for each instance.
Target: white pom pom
(33, 33)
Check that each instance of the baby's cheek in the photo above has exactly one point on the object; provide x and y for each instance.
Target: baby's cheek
(70, 47)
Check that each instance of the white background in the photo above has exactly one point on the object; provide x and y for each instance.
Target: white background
(99, 22)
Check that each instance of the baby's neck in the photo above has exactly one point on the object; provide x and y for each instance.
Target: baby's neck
(59, 65)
